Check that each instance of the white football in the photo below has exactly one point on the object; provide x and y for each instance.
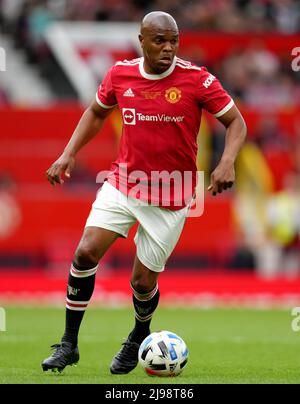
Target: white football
(163, 353)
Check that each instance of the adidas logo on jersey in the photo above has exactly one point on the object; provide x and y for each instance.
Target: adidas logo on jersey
(128, 93)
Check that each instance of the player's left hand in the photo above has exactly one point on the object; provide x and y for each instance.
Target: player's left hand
(222, 178)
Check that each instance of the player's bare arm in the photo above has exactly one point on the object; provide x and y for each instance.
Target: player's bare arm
(223, 176)
(89, 125)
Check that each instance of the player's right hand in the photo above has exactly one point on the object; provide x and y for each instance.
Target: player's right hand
(63, 165)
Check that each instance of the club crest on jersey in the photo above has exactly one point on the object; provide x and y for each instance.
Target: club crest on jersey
(173, 95)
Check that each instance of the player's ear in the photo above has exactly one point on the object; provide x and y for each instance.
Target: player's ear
(141, 39)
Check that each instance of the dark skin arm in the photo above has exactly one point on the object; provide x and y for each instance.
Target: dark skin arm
(223, 176)
(89, 125)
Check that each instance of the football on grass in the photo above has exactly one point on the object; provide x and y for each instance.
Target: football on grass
(163, 353)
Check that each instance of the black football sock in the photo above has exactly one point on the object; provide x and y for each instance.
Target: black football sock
(144, 305)
(80, 289)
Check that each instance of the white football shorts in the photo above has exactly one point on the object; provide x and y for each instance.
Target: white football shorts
(158, 231)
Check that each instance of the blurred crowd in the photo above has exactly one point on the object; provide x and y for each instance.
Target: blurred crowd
(268, 211)
(266, 203)
(253, 74)
(222, 15)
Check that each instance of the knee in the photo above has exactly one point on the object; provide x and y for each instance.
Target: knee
(86, 256)
(142, 284)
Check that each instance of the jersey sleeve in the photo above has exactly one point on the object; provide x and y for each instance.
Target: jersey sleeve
(212, 96)
(105, 95)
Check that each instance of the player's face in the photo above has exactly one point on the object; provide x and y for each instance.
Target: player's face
(159, 49)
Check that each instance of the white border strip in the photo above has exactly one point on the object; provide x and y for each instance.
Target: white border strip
(103, 105)
(64, 37)
(75, 302)
(76, 308)
(83, 274)
(225, 109)
(76, 69)
(156, 76)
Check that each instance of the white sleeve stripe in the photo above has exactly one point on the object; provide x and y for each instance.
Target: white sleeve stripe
(225, 109)
(103, 105)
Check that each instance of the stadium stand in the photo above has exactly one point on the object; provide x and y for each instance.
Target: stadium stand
(252, 58)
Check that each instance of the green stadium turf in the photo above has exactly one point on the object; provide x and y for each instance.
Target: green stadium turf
(226, 346)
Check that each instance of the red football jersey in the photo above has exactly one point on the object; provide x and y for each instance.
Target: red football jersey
(161, 119)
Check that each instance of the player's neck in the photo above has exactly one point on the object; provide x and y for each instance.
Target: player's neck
(147, 70)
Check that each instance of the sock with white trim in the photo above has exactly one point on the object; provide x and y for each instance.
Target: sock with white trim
(144, 305)
(80, 289)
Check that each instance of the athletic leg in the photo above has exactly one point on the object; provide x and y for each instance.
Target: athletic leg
(145, 296)
(145, 300)
(156, 238)
(93, 245)
(108, 219)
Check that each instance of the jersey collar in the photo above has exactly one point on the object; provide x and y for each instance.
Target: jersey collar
(156, 76)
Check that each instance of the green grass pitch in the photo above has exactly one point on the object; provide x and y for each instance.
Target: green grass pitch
(226, 346)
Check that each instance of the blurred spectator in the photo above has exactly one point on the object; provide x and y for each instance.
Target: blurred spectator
(35, 17)
(10, 214)
(286, 15)
(39, 19)
(233, 70)
(254, 183)
(279, 255)
(83, 179)
(3, 96)
(7, 183)
(243, 257)
(254, 74)
(269, 230)
(277, 147)
(1, 15)
(261, 62)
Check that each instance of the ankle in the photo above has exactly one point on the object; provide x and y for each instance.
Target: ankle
(138, 336)
(70, 340)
